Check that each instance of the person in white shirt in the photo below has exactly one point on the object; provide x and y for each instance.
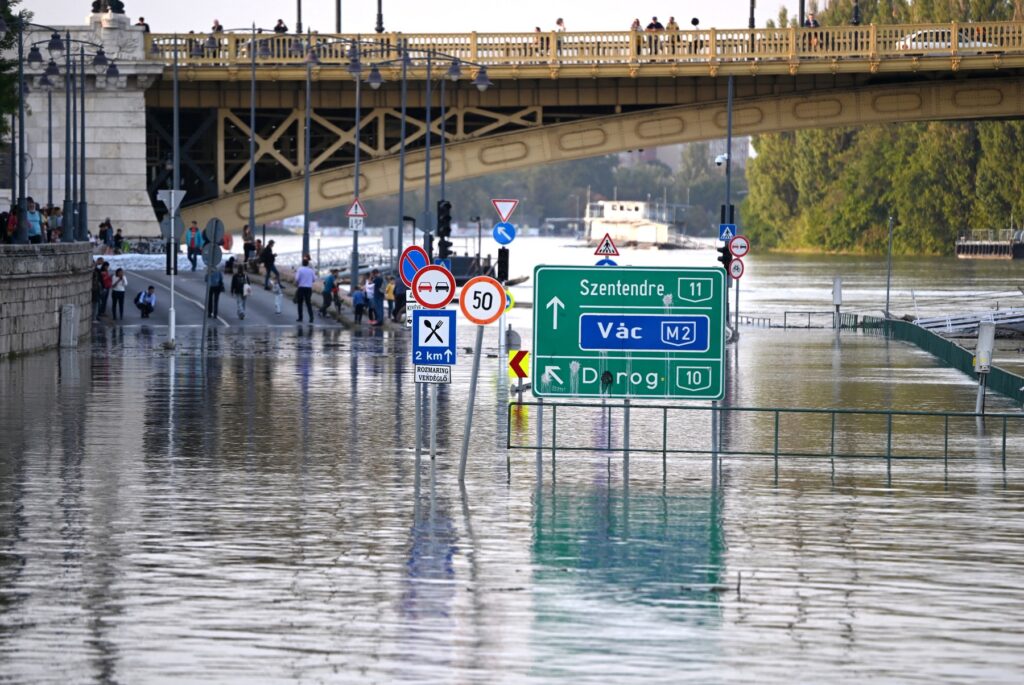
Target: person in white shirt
(304, 279)
(117, 294)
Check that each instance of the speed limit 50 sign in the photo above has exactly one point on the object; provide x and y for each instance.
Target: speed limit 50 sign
(482, 300)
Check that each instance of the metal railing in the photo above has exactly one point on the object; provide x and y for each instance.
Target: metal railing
(712, 46)
(808, 319)
(773, 432)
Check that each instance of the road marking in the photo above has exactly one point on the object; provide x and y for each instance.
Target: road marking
(178, 294)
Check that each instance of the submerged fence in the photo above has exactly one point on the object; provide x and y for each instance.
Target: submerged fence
(772, 432)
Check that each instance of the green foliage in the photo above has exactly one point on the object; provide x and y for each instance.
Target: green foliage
(833, 189)
(9, 67)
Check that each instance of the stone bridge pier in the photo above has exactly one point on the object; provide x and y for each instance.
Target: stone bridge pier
(115, 125)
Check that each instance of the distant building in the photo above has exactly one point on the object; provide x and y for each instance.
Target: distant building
(671, 155)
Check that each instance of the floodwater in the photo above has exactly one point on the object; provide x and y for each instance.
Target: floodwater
(258, 516)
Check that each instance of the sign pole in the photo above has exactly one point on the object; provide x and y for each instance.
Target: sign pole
(736, 313)
(625, 441)
(419, 424)
(472, 400)
(172, 249)
(433, 421)
(540, 440)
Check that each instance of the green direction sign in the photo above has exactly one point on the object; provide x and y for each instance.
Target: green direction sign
(640, 332)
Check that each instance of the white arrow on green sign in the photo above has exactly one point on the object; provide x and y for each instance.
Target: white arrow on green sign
(646, 333)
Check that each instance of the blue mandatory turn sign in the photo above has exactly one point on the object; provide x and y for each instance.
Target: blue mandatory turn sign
(607, 262)
(645, 332)
(726, 232)
(504, 232)
(433, 337)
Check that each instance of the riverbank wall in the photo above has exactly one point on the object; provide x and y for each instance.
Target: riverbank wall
(36, 281)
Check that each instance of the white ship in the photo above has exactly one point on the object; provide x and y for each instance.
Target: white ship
(641, 224)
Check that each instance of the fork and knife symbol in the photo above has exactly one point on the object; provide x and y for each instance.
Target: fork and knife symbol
(434, 331)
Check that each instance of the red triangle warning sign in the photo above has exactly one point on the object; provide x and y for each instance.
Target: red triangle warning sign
(606, 248)
(356, 210)
(504, 208)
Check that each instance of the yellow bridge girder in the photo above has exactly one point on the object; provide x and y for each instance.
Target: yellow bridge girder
(754, 112)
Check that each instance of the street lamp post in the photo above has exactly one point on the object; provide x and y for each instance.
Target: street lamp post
(401, 161)
(356, 69)
(888, 269)
(83, 211)
(67, 233)
(310, 59)
(380, 18)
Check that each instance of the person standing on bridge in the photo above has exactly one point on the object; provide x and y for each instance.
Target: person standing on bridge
(280, 27)
(268, 257)
(193, 243)
(304, 279)
(35, 223)
(141, 23)
(248, 244)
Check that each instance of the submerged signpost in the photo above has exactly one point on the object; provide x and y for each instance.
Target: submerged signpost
(629, 332)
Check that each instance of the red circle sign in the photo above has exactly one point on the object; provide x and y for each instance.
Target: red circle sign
(482, 300)
(739, 246)
(736, 269)
(433, 287)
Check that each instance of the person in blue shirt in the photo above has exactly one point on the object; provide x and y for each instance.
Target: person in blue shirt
(35, 223)
(146, 302)
(330, 293)
(359, 303)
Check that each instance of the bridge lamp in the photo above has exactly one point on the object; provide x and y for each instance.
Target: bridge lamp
(263, 53)
(55, 46)
(312, 59)
(52, 70)
(35, 58)
(375, 79)
(211, 43)
(113, 71)
(454, 71)
(481, 81)
(197, 50)
(100, 62)
(295, 48)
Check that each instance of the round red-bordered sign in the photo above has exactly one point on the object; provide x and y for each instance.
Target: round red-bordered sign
(739, 246)
(482, 300)
(433, 287)
(736, 269)
(412, 260)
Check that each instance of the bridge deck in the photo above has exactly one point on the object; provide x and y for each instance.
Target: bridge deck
(871, 48)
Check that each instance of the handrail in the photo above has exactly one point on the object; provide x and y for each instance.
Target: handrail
(711, 46)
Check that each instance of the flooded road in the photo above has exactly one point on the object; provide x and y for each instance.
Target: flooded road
(259, 517)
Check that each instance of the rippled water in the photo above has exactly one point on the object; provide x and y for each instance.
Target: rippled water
(260, 518)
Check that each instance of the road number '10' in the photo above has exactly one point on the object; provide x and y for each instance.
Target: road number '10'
(694, 378)
(483, 301)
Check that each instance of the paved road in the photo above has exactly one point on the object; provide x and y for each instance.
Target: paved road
(190, 297)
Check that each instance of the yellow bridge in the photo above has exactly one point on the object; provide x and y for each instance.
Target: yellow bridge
(555, 96)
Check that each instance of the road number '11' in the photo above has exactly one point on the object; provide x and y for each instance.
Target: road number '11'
(695, 289)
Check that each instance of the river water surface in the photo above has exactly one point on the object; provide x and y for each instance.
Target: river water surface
(259, 517)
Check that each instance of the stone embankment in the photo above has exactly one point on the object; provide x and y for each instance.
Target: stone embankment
(36, 281)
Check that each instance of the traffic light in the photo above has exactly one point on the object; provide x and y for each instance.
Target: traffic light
(444, 228)
(428, 246)
(725, 256)
(502, 264)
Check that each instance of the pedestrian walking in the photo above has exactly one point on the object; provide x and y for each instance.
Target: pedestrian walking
(240, 289)
(193, 243)
(304, 279)
(215, 286)
(267, 257)
(105, 285)
(330, 293)
(146, 301)
(117, 294)
(389, 296)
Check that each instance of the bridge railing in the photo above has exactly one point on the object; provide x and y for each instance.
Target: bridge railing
(872, 42)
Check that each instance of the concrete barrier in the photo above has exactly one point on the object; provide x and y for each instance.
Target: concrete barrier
(36, 281)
